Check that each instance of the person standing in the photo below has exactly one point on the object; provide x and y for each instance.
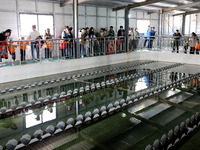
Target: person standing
(11, 49)
(86, 39)
(33, 36)
(3, 45)
(151, 37)
(131, 38)
(48, 34)
(111, 32)
(197, 47)
(192, 43)
(121, 35)
(81, 42)
(101, 38)
(23, 44)
(65, 32)
(70, 44)
(145, 38)
(177, 37)
(137, 37)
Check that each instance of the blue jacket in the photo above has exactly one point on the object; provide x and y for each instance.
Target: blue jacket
(150, 34)
(146, 34)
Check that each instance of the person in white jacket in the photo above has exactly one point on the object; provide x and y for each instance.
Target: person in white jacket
(192, 42)
(131, 38)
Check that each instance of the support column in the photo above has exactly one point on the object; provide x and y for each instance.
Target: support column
(160, 24)
(126, 29)
(160, 29)
(183, 25)
(76, 51)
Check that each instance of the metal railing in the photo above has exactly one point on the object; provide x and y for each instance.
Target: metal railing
(24, 52)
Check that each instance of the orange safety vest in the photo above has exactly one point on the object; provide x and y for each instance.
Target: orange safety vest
(11, 48)
(23, 45)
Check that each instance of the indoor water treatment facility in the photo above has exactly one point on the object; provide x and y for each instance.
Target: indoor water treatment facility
(99, 75)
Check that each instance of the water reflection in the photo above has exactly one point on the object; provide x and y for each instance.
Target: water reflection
(8, 123)
(40, 115)
(141, 84)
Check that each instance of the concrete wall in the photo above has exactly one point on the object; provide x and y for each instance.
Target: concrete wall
(15, 73)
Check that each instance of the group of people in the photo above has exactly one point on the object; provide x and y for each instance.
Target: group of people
(92, 43)
(134, 37)
(192, 42)
(36, 42)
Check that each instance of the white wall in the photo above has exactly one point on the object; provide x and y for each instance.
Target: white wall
(98, 17)
(15, 73)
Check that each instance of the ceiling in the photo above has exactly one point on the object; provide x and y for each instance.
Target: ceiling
(153, 7)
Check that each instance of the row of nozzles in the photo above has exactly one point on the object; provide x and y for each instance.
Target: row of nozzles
(176, 135)
(41, 83)
(14, 109)
(104, 111)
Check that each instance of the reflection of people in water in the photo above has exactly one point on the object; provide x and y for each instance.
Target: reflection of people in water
(69, 104)
(38, 112)
(110, 92)
(174, 76)
(8, 123)
(86, 99)
(50, 108)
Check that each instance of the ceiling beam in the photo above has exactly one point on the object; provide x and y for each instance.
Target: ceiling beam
(188, 13)
(69, 2)
(147, 2)
(180, 7)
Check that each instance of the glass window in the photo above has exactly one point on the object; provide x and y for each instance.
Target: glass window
(26, 22)
(142, 25)
(44, 22)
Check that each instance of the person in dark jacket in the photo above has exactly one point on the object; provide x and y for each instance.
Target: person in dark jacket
(3, 50)
(121, 35)
(69, 46)
(176, 44)
(111, 32)
(121, 32)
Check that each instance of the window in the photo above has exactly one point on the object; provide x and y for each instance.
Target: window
(45, 21)
(42, 22)
(142, 25)
(26, 22)
(177, 23)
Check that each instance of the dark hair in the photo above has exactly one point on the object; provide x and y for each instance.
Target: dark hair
(86, 28)
(8, 30)
(177, 30)
(121, 27)
(91, 31)
(111, 26)
(34, 26)
(194, 34)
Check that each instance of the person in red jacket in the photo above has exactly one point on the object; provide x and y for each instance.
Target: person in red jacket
(3, 46)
